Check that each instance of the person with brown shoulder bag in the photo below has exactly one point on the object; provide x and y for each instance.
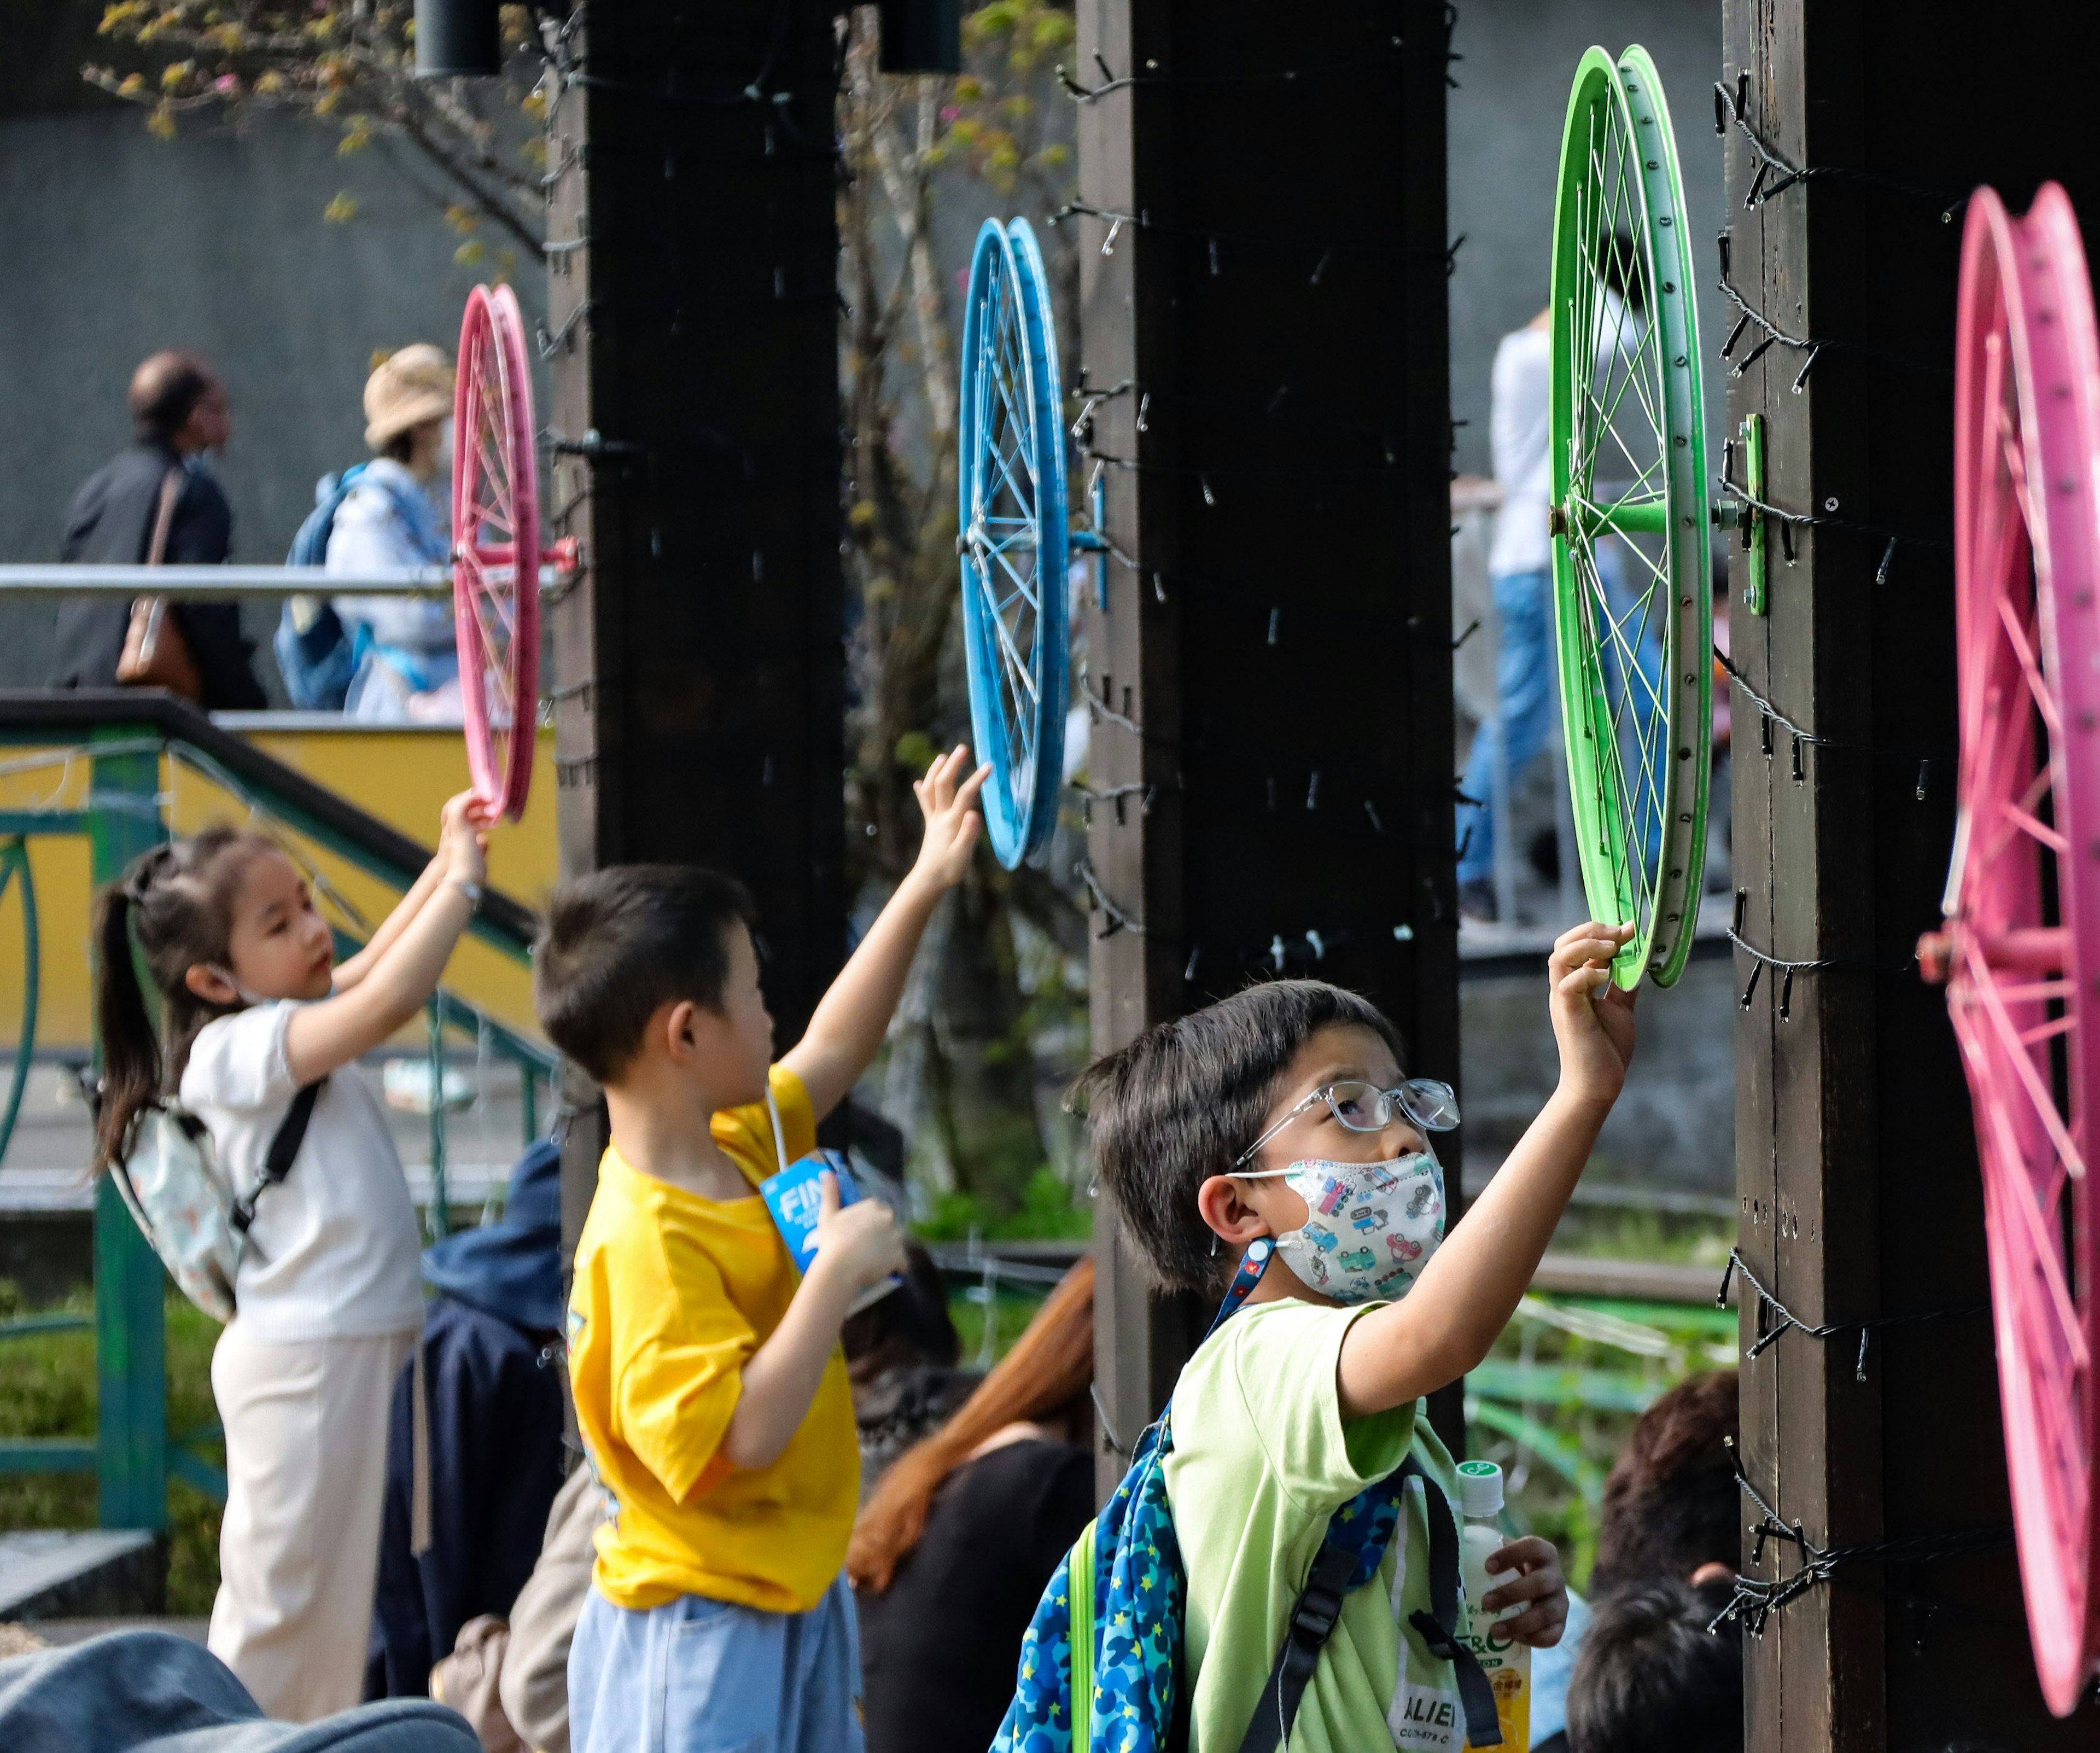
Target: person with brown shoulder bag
(156, 505)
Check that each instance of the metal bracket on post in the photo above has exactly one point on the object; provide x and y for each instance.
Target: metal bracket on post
(1747, 514)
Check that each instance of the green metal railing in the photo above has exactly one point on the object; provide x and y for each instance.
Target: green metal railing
(122, 737)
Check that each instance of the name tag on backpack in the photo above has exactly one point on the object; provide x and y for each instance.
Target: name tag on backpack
(1426, 1718)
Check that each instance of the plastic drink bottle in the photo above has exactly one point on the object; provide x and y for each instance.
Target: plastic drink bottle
(1506, 1662)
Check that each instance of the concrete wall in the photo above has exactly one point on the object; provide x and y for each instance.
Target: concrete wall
(1506, 122)
(118, 243)
(1674, 1127)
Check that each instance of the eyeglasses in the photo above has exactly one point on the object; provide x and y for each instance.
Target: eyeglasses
(1365, 1108)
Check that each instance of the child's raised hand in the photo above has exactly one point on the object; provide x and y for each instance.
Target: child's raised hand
(860, 1241)
(463, 828)
(1593, 1019)
(948, 798)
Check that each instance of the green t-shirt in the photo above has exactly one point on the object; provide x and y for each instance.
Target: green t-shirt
(1262, 1458)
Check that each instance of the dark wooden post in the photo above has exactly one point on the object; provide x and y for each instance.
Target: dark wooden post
(1859, 1194)
(1269, 685)
(693, 308)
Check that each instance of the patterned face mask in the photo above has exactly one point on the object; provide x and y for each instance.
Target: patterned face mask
(1369, 1228)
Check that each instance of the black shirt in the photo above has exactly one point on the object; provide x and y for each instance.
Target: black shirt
(940, 1646)
(110, 522)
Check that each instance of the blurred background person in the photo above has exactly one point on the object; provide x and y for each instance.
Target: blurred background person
(472, 1470)
(949, 1555)
(382, 659)
(1520, 569)
(161, 485)
(1652, 1678)
(900, 1357)
(1645, 1672)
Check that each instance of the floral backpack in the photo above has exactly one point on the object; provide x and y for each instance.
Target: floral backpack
(1116, 1688)
(182, 1200)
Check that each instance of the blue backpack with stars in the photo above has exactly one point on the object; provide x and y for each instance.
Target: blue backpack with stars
(1115, 1688)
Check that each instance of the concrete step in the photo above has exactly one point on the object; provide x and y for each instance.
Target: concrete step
(94, 1573)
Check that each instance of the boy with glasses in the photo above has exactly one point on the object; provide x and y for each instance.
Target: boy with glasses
(1275, 1126)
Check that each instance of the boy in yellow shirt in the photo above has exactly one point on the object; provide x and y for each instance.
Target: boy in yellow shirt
(709, 1386)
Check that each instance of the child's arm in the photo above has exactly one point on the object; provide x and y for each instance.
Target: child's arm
(398, 980)
(348, 972)
(848, 1024)
(856, 1245)
(1471, 1287)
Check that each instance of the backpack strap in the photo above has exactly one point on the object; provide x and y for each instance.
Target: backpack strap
(1079, 1593)
(284, 1146)
(1313, 1622)
(1439, 1627)
(1319, 1609)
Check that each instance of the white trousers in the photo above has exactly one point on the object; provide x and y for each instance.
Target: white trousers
(298, 1549)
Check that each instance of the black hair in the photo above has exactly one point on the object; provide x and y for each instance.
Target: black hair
(1671, 1503)
(400, 447)
(164, 391)
(1179, 1103)
(176, 904)
(620, 942)
(1650, 1677)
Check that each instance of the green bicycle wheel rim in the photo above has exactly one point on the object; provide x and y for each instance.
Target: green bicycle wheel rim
(1620, 180)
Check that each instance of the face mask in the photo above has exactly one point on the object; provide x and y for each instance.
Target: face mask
(1369, 1228)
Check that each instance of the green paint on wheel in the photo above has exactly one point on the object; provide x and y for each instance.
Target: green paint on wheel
(1632, 568)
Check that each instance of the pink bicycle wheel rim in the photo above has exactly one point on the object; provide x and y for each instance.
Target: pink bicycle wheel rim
(495, 548)
(2024, 906)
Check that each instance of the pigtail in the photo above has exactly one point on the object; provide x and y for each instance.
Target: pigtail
(130, 1044)
(172, 909)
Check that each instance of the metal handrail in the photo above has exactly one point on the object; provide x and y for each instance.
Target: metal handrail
(167, 724)
(124, 734)
(232, 584)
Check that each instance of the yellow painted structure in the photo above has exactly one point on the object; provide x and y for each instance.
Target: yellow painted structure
(401, 775)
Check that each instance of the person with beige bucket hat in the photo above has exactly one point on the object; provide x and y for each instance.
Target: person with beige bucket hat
(397, 652)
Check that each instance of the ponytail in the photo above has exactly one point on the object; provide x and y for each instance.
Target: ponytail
(130, 1044)
(172, 909)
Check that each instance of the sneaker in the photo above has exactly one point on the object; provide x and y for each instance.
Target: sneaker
(1476, 900)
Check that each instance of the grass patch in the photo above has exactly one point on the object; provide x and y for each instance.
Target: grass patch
(1008, 1313)
(1616, 1232)
(1047, 1212)
(48, 1389)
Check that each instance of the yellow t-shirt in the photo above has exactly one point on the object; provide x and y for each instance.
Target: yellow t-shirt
(673, 1294)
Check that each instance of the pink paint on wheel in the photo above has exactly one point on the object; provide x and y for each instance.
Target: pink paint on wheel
(2021, 952)
(495, 520)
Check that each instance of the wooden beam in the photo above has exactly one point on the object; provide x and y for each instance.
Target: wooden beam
(692, 318)
(1859, 1186)
(1269, 685)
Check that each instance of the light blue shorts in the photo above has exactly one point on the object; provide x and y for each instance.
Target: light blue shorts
(697, 1675)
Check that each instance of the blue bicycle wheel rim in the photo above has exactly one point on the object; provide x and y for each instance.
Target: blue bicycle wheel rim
(1015, 538)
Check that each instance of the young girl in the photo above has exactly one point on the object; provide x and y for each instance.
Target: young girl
(329, 1292)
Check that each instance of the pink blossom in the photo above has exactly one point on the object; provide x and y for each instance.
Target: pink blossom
(949, 112)
(226, 85)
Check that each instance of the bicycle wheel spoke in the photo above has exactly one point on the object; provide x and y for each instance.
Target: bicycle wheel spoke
(2023, 1067)
(1015, 665)
(2023, 649)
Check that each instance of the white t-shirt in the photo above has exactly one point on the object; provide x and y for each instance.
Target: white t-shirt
(336, 1251)
(1518, 432)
